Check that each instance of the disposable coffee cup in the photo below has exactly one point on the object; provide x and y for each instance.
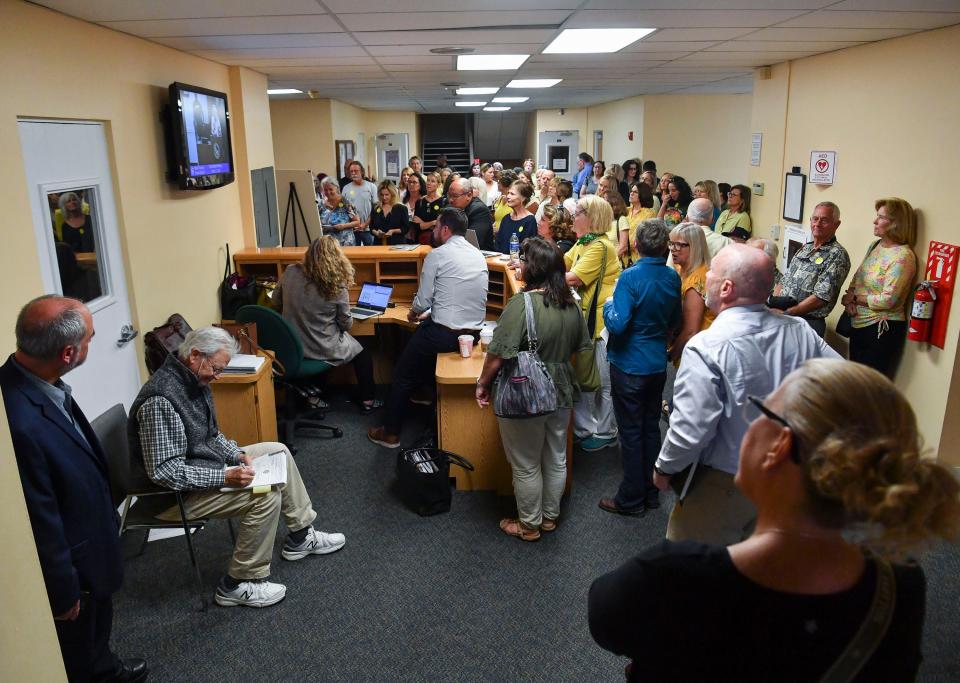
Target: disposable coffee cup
(486, 336)
(466, 345)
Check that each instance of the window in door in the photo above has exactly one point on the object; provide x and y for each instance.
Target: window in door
(78, 242)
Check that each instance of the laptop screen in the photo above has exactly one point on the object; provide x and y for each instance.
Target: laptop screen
(376, 296)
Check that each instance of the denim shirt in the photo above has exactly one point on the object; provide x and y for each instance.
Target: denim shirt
(645, 308)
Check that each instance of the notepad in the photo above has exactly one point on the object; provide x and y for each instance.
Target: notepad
(268, 470)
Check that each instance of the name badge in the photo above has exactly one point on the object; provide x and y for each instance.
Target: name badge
(818, 260)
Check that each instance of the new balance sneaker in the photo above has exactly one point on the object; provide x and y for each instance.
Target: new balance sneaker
(597, 443)
(316, 543)
(260, 593)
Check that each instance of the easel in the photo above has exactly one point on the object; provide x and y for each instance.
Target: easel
(291, 198)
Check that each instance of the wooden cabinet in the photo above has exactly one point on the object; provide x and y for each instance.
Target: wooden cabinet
(246, 407)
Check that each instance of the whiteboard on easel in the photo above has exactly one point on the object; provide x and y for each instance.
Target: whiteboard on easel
(308, 226)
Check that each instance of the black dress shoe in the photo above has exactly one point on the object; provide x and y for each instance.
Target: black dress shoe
(610, 505)
(132, 670)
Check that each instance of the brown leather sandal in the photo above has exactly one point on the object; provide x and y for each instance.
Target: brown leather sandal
(548, 525)
(514, 527)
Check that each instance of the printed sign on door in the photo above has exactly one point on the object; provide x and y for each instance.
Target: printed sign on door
(823, 166)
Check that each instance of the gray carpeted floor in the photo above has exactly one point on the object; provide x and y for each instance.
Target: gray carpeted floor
(421, 599)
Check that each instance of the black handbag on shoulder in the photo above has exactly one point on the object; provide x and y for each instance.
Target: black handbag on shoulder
(423, 479)
(236, 290)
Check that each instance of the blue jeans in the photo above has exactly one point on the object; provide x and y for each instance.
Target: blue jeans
(364, 238)
(636, 403)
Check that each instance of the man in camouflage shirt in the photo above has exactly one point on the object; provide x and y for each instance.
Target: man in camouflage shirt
(818, 271)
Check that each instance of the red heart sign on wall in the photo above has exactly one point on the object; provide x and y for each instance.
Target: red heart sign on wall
(823, 165)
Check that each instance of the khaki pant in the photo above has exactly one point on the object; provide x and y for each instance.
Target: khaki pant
(593, 412)
(714, 511)
(258, 514)
(536, 449)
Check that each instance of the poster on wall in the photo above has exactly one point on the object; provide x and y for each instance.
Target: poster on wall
(756, 141)
(823, 167)
(392, 159)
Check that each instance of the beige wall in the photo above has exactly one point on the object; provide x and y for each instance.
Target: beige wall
(253, 143)
(172, 241)
(304, 132)
(616, 119)
(698, 136)
(862, 102)
(571, 119)
(769, 117)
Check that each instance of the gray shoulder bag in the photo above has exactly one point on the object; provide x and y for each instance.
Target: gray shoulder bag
(524, 388)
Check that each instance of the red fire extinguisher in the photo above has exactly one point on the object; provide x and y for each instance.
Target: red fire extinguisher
(922, 314)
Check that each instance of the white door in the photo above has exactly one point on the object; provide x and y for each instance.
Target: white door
(392, 155)
(558, 152)
(78, 242)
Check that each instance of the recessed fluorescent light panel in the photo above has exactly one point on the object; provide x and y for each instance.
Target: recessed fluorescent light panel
(595, 40)
(496, 108)
(284, 91)
(476, 91)
(490, 62)
(510, 100)
(534, 83)
(471, 104)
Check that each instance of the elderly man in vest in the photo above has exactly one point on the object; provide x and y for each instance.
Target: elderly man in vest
(174, 434)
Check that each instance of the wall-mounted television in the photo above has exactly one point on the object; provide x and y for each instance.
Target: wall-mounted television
(199, 153)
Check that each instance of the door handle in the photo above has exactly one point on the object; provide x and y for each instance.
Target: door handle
(127, 334)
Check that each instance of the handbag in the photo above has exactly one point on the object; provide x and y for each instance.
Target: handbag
(164, 340)
(236, 290)
(588, 375)
(246, 336)
(524, 387)
(423, 479)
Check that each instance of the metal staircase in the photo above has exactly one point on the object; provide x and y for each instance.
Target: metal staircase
(457, 153)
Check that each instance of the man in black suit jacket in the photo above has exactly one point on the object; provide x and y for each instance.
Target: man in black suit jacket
(63, 471)
(460, 195)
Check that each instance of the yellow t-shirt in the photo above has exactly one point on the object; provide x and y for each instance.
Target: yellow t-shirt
(500, 210)
(697, 281)
(633, 222)
(728, 222)
(584, 261)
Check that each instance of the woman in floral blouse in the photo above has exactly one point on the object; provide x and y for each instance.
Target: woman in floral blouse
(337, 215)
(877, 297)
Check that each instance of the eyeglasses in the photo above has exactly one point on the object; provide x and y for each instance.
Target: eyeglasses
(678, 245)
(523, 258)
(216, 370)
(752, 410)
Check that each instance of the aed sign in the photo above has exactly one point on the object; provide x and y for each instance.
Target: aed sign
(823, 167)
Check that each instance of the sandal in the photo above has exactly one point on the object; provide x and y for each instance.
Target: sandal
(367, 409)
(514, 527)
(548, 525)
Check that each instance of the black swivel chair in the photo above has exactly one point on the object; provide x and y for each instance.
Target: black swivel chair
(126, 484)
(275, 334)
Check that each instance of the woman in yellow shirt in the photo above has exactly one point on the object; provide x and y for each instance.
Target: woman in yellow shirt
(500, 207)
(691, 258)
(594, 424)
(734, 222)
(640, 209)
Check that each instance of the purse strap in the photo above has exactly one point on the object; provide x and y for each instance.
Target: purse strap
(226, 267)
(871, 631)
(532, 341)
(592, 313)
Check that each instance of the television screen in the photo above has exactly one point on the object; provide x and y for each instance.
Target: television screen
(201, 129)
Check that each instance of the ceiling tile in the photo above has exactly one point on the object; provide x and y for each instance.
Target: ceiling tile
(471, 37)
(669, 45)
(692, 34)
(828, 34)
(896, 20)
(413, 21)
(121, 10)
(373, 6)
(310, 23)
(672, 18)
(253, 42)
(416, 49)
(810, 47)
(912, 5)
(280, 52)
(707, 4)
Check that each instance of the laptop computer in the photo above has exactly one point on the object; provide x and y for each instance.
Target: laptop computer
(373, 300)
(472, 239)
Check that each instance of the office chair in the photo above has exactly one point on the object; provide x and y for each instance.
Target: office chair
(129, 481)
(275, 334)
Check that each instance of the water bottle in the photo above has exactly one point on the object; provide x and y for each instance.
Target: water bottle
(514, 248)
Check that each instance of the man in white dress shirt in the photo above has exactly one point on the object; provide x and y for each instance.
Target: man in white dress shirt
(747, 351)
(451, 301)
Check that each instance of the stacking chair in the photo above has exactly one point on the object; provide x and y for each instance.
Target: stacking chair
(275, 334)
(111, 431)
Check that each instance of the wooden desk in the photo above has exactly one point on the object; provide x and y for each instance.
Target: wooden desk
(372, 264)
(468, 430)
(246, 407)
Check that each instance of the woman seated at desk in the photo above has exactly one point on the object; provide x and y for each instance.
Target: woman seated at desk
(313, 298)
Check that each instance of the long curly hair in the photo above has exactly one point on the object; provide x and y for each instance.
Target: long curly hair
(327, 267)
(864, 467)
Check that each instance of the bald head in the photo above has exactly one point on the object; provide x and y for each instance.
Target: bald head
(700, 211)
(52, 335)
(739, 276)
(460, 193)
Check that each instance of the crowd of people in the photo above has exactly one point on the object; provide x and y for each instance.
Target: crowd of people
(775, 448)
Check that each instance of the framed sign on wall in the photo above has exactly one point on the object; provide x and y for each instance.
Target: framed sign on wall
(794, 189)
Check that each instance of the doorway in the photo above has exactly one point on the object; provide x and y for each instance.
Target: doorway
(598, 144)
(558, 151)
(392, 155)
(78, 245)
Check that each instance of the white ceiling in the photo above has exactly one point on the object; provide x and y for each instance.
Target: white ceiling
(354, 51)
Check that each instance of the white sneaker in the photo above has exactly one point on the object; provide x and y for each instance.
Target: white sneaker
(251, 594)
(316, 543)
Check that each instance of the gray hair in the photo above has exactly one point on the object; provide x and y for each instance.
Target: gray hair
(330, 180)
(45, 339)
(692, 234)
(66, 197)
(652, 237)
(768, 245)
(700, 211)
(833, 207)
(208, 341)
(477, 185)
